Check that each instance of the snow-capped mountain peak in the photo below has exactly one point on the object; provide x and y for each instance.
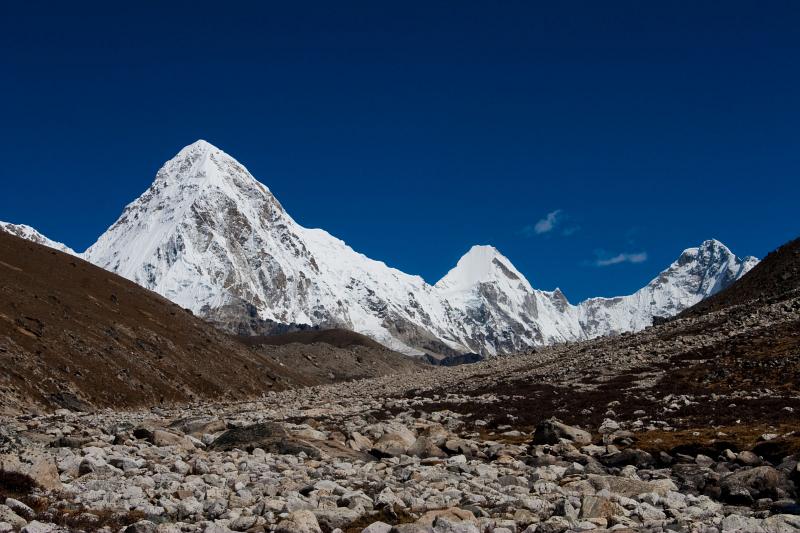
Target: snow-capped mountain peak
(210, 237)
(698, 273)
(481, 264)
(711, 267)
(27, 232)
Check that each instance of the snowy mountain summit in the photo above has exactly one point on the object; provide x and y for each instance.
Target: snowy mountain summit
(210, 237)
(27, 232)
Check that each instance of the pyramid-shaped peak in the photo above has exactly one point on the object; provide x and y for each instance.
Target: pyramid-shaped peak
(202, 162)
(199, 145)
(482, 252)
(198, 151)
(481, 264)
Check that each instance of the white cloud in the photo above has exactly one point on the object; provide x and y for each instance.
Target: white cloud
(639, 257)
(548, 223)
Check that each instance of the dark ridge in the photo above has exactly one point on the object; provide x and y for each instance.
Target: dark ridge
(340, 338)
(454, 360)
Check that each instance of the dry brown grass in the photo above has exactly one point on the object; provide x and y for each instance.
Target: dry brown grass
(710, 440)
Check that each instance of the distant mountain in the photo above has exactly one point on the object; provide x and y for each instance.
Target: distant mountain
(211, 238)
(776, 278)
(27, 232)
(697, 274)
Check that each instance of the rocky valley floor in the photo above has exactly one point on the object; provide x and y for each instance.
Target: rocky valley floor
(688, 426)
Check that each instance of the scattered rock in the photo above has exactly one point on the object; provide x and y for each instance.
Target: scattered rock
(299, 522)
(550, 431)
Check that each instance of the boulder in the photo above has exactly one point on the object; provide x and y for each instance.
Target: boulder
(424, 447)
(453, 514)
(269, 436)
(393, 444)
(299, 522)
(7, 515)
(377, 527)
(599, 507)
(747, 485)
(551, 430)
(38, 466)
(160, 437)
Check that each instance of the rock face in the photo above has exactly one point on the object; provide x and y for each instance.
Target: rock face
(211, 238)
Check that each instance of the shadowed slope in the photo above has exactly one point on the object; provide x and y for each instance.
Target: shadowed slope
(332, 355)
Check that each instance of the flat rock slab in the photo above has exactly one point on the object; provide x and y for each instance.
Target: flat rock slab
(269, 436)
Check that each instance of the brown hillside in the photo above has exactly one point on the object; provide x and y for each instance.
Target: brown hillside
(332, 355)
(72, 334)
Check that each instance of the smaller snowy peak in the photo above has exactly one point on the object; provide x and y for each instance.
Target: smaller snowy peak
(713, 265)
(698, 273)
(481, 264)
(29, 233)
(710, 250)
(748, 263)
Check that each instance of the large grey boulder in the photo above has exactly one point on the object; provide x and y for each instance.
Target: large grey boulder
(299, 522)
(551, 430)
(747, 485)
(269, 436)
(394, 443)
(424, 448)
(9, 516)
(39, 466)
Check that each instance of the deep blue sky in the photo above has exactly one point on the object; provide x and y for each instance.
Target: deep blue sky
(413, 130)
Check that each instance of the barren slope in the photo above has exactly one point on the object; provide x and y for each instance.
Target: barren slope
(332, 355)
(71, 332)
